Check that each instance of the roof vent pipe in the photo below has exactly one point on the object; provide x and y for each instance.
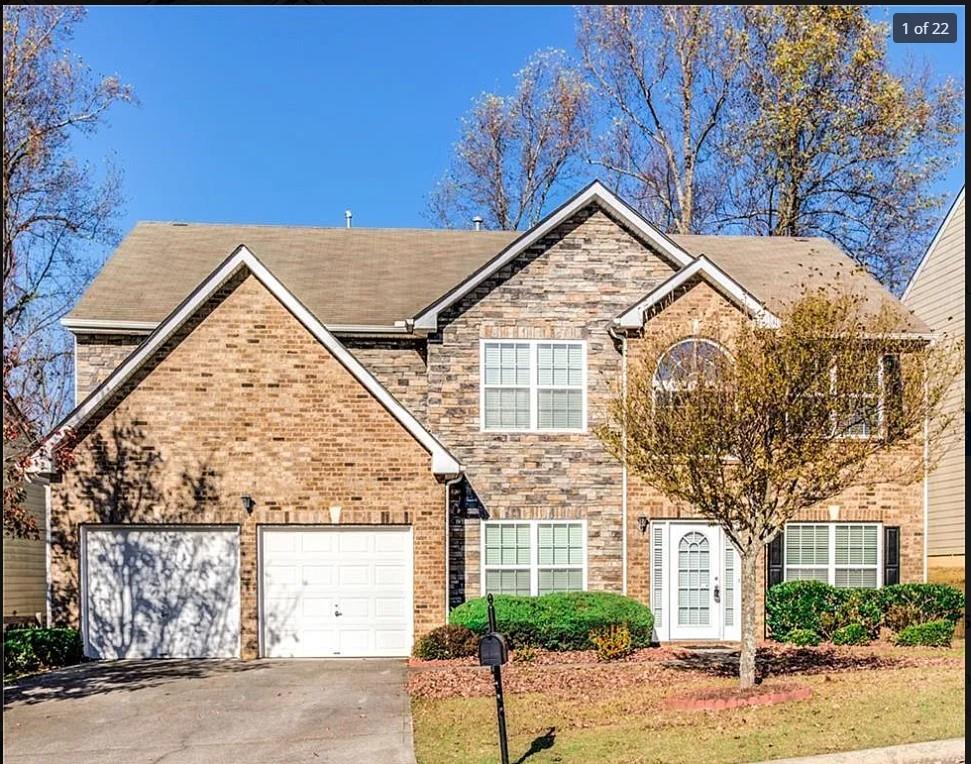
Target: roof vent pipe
(347, 218)
(477, 222)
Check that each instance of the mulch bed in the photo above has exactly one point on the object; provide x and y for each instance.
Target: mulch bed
(722, 698)
(578, 674)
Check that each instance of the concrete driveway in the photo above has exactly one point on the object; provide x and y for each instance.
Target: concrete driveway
(178, 712)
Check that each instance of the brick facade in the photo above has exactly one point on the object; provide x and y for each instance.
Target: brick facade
(700, 311)
(243, 400)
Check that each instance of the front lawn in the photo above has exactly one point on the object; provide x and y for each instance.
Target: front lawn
(863, 697)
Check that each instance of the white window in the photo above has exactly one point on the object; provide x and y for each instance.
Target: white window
(841, 554)
(532, 557)
(533, 386)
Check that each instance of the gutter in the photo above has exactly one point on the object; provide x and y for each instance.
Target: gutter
(101, 326)
(622, 338)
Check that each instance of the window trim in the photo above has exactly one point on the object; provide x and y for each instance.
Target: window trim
(831, 567)
(534, 386)
(534, 566)
(879, 430)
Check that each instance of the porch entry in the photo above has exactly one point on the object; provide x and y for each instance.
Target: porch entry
(695, 582)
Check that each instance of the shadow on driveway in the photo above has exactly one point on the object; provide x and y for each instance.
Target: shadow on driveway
(102, 677)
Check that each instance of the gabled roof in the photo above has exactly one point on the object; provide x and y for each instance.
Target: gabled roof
(443, 463)
(595, 193)
(347, 277)
(633, 317)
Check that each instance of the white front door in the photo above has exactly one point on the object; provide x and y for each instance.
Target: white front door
(160, 592)
(695, 591)
(343, 592)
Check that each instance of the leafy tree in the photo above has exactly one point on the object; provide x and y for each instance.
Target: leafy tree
(516, 150)
(53, 207)
(826, 140)
(761, 423)
(663, 76)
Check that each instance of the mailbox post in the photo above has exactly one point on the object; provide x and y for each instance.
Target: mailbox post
(493, 652)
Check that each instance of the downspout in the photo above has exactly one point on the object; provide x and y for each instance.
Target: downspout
(448, 542)
(611, 330)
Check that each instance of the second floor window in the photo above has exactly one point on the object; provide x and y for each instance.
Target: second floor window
(533, 386)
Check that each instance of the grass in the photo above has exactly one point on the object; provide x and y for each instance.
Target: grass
(848, 711)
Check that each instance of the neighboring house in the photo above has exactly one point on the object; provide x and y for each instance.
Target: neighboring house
(313, 442)
(25, 559)
(936, 295)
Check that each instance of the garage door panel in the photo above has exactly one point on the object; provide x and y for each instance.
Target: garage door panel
(353, 597)
(354, 575)
(153, 593)
(389, 575)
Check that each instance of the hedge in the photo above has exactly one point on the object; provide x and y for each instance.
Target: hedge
(826, 609)
(27, 650)
(558, 621)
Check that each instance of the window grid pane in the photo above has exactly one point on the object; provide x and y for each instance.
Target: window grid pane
(511, 567)
(854, 561)
(553, 580)
(507, 582)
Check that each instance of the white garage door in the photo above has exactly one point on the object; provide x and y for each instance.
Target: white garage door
(170, 592)
(336, 592)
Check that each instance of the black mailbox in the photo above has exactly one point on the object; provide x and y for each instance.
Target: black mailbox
(493, 650)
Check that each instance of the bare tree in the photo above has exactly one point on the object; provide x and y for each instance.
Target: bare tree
(760, 423)
(516, 150)
(53, 206)
(664, 77)
(827, 141)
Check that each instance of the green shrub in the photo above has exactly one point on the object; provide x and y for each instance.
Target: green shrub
(802, 638)
(34, 649)
(446, 642)
(612, 642)
(931, 634)
(908, 604)
(558, 621)
(851, 634)
(826, 609)
(801, 605)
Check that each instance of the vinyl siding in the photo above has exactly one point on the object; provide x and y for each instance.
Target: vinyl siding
(937, 296)
(25, 565)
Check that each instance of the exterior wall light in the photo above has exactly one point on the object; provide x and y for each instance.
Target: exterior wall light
(642, 523)
(248, 503)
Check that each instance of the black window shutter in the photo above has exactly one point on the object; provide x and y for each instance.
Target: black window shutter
(774, 573)
(891, 555)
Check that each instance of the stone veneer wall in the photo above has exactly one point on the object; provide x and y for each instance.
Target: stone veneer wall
(245, 401)
(398, 364)
(570, 285)
(97, 355)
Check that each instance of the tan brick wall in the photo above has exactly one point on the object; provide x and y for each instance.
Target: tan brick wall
(570, 285)
(700, 311)
(245, 401)
(97, 355)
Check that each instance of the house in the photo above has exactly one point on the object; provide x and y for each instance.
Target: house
(313, 442)
(936, 295)
(24, 559)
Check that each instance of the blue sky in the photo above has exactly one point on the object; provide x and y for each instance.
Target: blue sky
(290, 115)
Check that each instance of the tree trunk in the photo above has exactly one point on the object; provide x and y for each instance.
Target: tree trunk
(750, 590)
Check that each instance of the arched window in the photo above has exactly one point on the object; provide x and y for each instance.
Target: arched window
(686, 366)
